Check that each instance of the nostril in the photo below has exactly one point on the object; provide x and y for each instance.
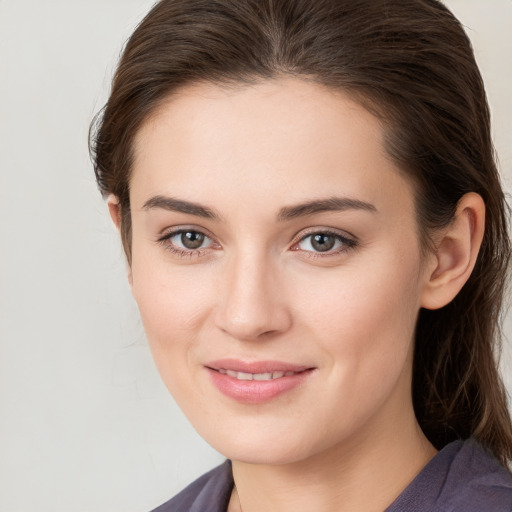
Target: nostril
(250, 307)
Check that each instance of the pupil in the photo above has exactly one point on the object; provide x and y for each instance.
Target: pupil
(192, 239)
(322, 242)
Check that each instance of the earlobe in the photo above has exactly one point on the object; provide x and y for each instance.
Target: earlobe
(456, 253)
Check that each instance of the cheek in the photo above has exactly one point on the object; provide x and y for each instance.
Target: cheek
(365, 321)
(173, 302)
(365, 315)
(170, 317)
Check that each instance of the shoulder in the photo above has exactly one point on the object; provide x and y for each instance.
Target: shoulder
(209, 493)
(462, 477)
(476, 481)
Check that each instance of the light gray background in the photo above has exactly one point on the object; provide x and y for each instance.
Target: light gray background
(85, 424)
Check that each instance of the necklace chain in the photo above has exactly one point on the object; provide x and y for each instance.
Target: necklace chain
(238, 496)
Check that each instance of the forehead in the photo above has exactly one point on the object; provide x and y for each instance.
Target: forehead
(276, 140)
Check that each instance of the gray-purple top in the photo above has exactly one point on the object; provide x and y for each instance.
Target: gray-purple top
(462, 477)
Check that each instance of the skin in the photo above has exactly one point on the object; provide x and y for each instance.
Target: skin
(257, 289)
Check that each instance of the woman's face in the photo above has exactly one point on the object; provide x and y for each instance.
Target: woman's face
(277, 267)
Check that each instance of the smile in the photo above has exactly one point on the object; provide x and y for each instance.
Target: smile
(256, 382)
(256, 376)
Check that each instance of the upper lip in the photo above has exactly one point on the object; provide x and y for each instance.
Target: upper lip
(237, 365)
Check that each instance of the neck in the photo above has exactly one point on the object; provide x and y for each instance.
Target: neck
(363, 474)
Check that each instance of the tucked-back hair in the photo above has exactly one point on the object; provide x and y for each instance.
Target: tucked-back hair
(410, 63)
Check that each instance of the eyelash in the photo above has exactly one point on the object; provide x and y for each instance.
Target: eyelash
(165, 240)
(347, 244)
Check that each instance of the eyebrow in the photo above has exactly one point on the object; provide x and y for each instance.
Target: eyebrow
(324, 205)
(179, 205)
(286, 213)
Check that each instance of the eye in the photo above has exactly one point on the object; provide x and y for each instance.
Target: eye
(324, 242)
(186, 242)
(189, 239)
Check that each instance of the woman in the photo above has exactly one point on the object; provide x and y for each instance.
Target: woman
(317, 243)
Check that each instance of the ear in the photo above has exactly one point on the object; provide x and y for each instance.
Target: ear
(114, 209)
(456, 253)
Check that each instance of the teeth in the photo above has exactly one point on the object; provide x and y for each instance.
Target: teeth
(262, 376)
(255, 376)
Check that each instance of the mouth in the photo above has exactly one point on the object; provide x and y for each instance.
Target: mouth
(256, 382)
(255, 376)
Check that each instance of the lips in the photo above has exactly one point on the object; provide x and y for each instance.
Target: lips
(255, 367)
(256, 382)
(255, 376)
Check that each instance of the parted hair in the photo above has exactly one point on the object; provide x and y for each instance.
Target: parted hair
(410, 63)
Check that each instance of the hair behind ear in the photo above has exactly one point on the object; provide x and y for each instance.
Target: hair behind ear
(457, 389)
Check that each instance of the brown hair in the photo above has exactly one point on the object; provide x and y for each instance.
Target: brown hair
(410, 63)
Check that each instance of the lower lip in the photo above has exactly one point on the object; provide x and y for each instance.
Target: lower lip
(256, 391)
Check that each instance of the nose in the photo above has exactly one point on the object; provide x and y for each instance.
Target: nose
(252, 304)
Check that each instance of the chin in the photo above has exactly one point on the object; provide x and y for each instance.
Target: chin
(268, 455)
(261, 449)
